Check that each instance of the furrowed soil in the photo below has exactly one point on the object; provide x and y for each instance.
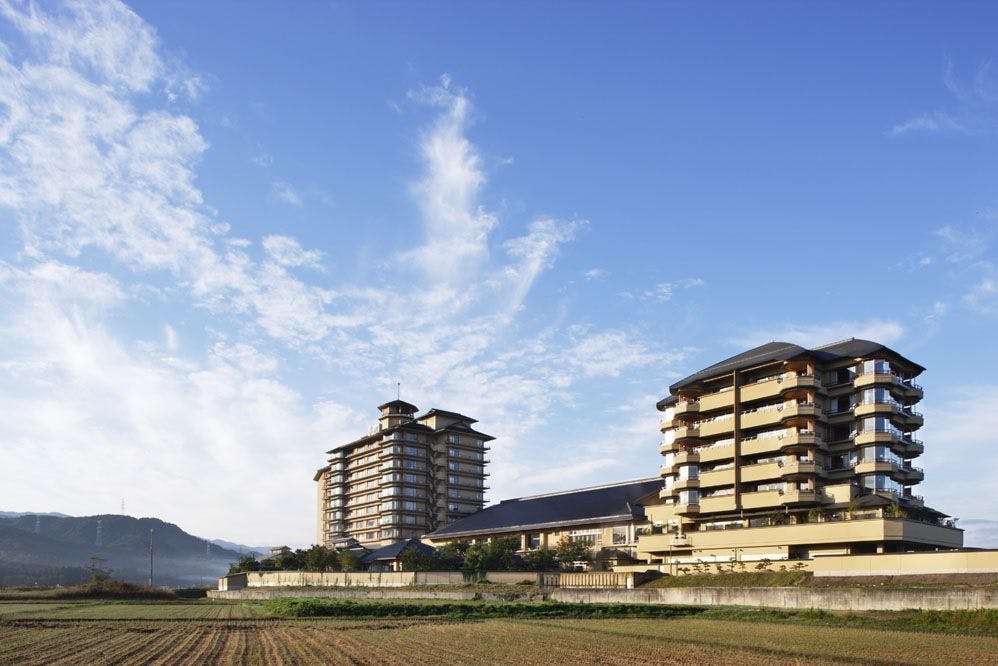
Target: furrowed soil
(206, 632)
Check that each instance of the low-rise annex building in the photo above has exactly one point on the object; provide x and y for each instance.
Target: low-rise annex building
(607, 517)
(783, 452)
(408, 476)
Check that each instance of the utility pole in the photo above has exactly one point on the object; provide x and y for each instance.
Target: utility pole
(150, 557)
(100, 537)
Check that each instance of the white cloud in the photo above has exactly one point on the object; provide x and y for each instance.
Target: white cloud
(287, 251)
(283, 191)
(813, 335)
(959, 428)
(595, 274)
(456, 226)
(663, 291)
(983, 297)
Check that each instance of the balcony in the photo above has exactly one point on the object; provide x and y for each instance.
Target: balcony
(721, 477)
(792, 381)
(685, 484)
(752, 447)
(717, 503)
(877, 437)
(715, 453)
(909, 389)
(761, 472)
(684, 407)
(799, 467)
(686, 432)
(686, 458)
(668, 447)
(910, 475)
(762, 499)
(666, 493)
(868, 380)
(665, 424)
(879, 466)
(800, 409)
(910, 417)
(762, 417)
(802, 496)
(909, 447)
(687, 509)
(713, 401)
(797, 438)
(874, 408)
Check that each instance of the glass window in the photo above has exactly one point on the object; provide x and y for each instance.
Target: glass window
(534, 540)
(619, 535)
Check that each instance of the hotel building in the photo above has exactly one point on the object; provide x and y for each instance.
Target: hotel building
(410, 475)
(783, 452)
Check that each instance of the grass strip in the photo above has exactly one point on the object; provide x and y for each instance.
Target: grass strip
(286, 607)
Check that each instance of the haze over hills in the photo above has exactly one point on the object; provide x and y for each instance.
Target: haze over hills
(47, 549)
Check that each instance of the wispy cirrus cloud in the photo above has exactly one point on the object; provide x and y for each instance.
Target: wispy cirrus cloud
(974, 109)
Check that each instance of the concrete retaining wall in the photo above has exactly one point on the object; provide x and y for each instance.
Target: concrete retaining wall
(793, 597)
(370, 593)
(264, 579)
(908, 564)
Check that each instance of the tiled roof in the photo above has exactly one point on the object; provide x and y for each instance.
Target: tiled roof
(784, 351)
(572, 507)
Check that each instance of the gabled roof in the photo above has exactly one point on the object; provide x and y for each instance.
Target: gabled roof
(785, 351)
(584, 506)
(444, 412)
(392, 551)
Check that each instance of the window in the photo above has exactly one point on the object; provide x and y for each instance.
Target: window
(410, 506)
(413, 451)
(411, 436)
(410, 492)
(411, 478)
(689, 497)
(453, 439)
(534, 540)
(453, 479)
(453, 466)
(589, 537)
(619, 535)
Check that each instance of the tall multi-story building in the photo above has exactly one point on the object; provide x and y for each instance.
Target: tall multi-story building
(410, 475)
(785, 452)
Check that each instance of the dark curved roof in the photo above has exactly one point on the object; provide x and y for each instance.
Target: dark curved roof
(406, 406)
(615, 502)
(393, 550)
(785, 351)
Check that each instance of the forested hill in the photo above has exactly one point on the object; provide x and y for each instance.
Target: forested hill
(45, 549)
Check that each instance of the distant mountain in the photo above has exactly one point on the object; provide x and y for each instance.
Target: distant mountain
(256, 551)
(18, 514)
(46, 549)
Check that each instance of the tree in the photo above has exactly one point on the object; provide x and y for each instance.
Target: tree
(349, 560)
(320, 558)
(451, 555)
(98, 574)
(494, 555)
(541, 559)
(245, 563)
(414, 558)
(569, 552)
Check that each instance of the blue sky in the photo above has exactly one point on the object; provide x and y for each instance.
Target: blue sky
(227, 230)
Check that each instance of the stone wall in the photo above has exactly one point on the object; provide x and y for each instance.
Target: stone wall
(264, 579)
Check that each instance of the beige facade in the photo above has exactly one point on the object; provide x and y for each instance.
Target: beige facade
(412, 474)
(784, 452)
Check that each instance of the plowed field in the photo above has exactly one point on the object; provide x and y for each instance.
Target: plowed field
(228, 634)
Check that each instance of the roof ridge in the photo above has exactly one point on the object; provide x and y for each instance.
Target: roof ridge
(837, 342)
(579, 490)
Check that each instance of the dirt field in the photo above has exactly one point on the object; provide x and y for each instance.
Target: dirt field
(218, 633)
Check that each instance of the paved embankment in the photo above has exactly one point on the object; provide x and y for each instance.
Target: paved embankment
(845, 598)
